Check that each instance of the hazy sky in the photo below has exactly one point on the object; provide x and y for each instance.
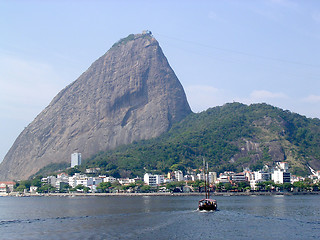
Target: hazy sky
(222, 51)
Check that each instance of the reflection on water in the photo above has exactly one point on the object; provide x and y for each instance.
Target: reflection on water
(157, 217)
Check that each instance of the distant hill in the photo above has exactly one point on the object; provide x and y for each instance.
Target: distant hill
(230, 137)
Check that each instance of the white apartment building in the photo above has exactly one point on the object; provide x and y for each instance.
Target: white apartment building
(61, 178)
(212, 177)
(188, 178)
(97, 181)
(280, 176)
(178, 175)
(73, 180)
(75, 159)
(109, 179)
(223, 179)
(201, 176)
(253, 183)
(260, 175)
(87, 181)
(153, 180)
(50, 180)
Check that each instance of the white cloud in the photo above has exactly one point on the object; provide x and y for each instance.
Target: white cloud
(202, 97)
(312, 99)
(258, 95)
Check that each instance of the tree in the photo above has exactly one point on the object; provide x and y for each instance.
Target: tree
(86, 189)
(115, 173)
(145, 188)
(21, 188)
(241, 186)
(36, 182)
(287, 186)
(173, 185)
(104, 186)
(227, 186)
(72, 171)
(46, 188)
(64, 187)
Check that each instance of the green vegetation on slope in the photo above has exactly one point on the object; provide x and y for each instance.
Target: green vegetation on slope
(230, 137)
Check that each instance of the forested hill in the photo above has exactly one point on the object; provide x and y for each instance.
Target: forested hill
(230, 137)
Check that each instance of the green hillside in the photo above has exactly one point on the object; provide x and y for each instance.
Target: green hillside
(230, 137)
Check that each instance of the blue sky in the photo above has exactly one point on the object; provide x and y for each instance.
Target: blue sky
(221, 50)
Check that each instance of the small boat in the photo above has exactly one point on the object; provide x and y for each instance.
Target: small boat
(207, 204)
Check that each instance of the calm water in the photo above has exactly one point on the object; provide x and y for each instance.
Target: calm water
(170, 217)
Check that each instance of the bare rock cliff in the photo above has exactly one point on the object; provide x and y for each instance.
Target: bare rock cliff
(129, 94)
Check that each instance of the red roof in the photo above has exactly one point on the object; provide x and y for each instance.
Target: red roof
(8, 183)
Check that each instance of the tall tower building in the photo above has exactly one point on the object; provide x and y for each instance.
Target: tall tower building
(75, 159)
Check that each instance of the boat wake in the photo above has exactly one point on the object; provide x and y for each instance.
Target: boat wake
(206, 211)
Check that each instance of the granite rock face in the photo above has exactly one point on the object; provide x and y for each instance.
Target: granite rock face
(129, 94)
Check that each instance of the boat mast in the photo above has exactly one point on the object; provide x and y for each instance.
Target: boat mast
(207, 174)
(205, 177)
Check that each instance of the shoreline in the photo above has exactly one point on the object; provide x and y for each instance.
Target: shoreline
(228, 194)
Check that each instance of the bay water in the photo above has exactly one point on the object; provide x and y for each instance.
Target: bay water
(160, 217)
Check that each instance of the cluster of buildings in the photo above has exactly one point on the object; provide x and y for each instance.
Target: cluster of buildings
(279, 174)
(315, 176)
(178, 176)
(6, 186)
(62, 180)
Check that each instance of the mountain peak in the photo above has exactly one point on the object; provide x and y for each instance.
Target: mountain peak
(129, 94)
(146, 34)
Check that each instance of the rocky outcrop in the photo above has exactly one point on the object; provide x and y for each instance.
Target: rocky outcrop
(129, 94)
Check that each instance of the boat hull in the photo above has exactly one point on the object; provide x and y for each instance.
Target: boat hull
(207, 205)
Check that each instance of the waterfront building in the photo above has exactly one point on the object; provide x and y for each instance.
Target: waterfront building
(178, 175)
(97, 181)
(33, 189)
(109, 179)
(153, 180)
(49, 180)
(86, 181)
(62, 179)
(73, 180)
(124, 181)
(167, 180)
(249, 175)
(6, 186)
(238, 177)
(3, 188)
(295, 178)
(261, 175)
(253, 183)
(170, 175)
(280, 176)
(188, 177)
(223, 178)
(201, 176)
(212, 177)
(75, 159)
